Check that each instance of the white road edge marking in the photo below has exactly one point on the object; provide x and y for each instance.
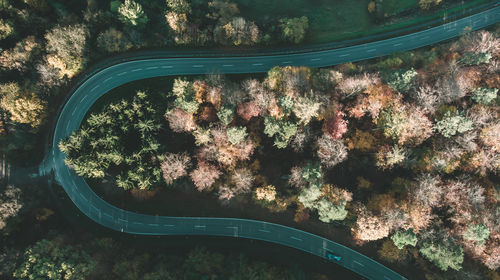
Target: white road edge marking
(296, 238)
(263, 230)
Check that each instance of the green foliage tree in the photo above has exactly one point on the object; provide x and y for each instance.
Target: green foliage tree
(478, 233)
(305, 108)
(484, 95)
(329, 211)
(281, 129)
(50, 259)
(443, 253)
(184, 93)
(100, 147)
(132, 14)
(113, 40)
(403, 238)
(225, 114)
(294, 29)
(179, 6)
(402, 80)
(473, 58)
(236, 135)
(6, 29)
(451, 124)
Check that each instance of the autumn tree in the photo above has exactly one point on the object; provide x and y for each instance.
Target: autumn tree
(405, 124)
(484, 95)
(478, 233)
(18, 57)
(52, 259)
(6, 29)
(204, 176)
(174, 166)
(67, 45)
(402, 80)
(24, 107)
(330, 152)
(10, 204)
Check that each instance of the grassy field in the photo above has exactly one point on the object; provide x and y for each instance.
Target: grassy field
(331, 21)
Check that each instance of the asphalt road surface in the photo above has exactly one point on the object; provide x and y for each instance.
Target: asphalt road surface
(113, 76)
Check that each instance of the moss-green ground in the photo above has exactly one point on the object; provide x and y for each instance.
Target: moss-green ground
(334, 20)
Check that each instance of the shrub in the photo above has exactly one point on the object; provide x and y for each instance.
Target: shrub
(294, 29)
(267, 193)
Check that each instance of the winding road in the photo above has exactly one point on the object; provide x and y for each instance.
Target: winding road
(112, 76)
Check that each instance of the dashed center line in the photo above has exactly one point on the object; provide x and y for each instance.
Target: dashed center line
(94, 88)
(107, 79)
(197, 66)
(166, 67)
(385, 277)
(152, 67)
(154, 225)
(122, 220)
(315, 59)
(286, 62)
(257, 64)
(371, 50)
(135, 70)
(296, 238)
(227, 65)
(359, 263)
(169, 225)
(121, 74)
(137, 223)
(344, 55)
(397, 44)
(198, 226)
(106, 214)
(232, 227)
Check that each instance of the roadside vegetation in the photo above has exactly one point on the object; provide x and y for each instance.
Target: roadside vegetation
(403, 148)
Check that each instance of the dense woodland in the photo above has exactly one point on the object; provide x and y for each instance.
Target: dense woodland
(427, 120)
(402, 150)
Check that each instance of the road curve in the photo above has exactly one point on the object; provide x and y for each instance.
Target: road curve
(107, 78)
